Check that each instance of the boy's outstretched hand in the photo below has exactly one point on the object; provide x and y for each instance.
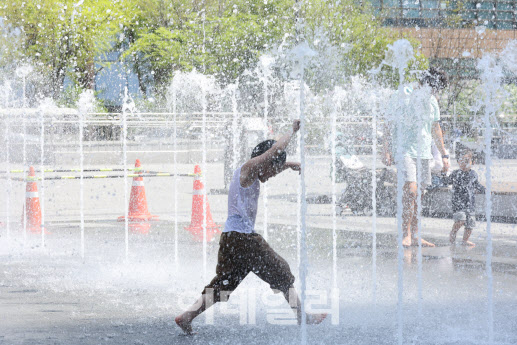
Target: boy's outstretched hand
(296, 126)
(294, 166)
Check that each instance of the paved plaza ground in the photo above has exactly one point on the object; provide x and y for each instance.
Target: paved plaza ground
(52, 295)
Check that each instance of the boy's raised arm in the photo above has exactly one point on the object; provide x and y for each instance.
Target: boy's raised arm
(251, 168)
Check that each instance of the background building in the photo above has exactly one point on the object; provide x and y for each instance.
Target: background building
(453, 33)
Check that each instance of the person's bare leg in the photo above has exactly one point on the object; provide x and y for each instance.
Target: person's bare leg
(455, 227)
(414, 227)
(466, 236)
(184, 321)
(409, 194)
(294, 301)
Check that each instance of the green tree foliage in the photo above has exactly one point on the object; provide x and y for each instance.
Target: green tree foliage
(64, 37)
(219, 37)
(225, 38)
(10, 52)
(351, 27)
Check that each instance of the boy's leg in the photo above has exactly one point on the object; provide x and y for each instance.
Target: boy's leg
(230, 271)
(459, 220)
(455, 227)
(466, 236)
(294, 302)
(470, 223)
(184, 321)
(269, 266)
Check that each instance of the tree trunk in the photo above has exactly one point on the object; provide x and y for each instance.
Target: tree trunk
(89, 82)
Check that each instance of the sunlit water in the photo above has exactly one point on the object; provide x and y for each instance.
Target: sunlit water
(99, 270)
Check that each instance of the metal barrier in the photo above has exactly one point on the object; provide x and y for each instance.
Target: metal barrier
(150, 174)
(156, 132)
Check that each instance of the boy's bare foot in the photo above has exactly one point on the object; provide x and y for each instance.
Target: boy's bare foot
(185, 325)
(468, 243)
(314, 319)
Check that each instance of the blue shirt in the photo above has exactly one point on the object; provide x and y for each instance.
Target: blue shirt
(416, 111)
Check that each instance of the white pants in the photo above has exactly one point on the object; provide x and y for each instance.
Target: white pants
(409, 169)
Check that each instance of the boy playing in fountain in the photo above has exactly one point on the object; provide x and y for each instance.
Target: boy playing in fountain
(241, 249)
(464, 186)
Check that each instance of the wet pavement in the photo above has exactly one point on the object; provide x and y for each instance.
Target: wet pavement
(53, 296)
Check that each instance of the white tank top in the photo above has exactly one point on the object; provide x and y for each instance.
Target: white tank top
(242, 205)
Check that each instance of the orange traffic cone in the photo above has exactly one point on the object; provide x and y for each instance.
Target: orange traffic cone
(138, 214)
(196, 224)
(32, 206)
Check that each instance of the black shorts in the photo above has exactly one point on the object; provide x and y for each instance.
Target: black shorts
(240, 254)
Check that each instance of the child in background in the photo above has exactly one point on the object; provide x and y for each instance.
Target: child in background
(464, 186)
